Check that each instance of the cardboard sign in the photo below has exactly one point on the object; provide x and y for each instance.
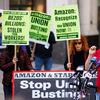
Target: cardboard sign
(66, 20)
(47, 85)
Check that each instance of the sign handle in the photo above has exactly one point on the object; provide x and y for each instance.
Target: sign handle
(15, 56)
(68, 52)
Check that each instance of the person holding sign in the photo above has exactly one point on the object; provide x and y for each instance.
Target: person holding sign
(7, 62)
(43, 54)
(78, 53)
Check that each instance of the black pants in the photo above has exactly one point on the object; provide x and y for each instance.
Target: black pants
(7, 92)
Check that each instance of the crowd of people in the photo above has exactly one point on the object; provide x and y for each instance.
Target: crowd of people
(22, 61)
(80, 55)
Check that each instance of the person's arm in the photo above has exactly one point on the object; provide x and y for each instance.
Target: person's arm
(4, 64)
(92, 50)
(88, 61)
(67, 65)
(51, 38)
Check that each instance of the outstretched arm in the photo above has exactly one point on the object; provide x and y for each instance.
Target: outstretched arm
(92, 50)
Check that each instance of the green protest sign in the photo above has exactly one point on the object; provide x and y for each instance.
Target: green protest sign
(66, 21)
(1, 46)
(40, 27)
(15, 27)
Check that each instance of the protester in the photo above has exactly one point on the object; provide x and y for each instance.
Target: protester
(7, 62)
(94, 53)
(78, 53)
(43, 54)
(27, 49)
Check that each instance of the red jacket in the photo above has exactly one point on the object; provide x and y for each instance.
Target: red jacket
(97, 54)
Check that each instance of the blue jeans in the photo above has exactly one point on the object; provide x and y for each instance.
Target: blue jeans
(47, 62)
(7, 92)
(97, 96)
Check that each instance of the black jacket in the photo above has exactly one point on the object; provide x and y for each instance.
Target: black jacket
(41, 51)
(78, 59)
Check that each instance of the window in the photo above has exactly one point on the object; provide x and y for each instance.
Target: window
(39, 5)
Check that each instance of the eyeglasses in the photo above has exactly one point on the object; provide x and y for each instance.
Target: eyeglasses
(78, 43)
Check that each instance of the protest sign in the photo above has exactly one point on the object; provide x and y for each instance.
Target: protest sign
(40, 27)
(1, 46)
(42, 85)
(15, 27)
(66, 20)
